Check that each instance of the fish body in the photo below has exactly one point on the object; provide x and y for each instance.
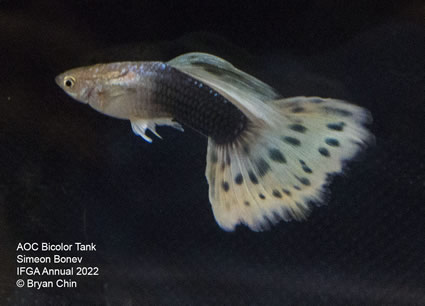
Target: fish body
(147, 90)
(268, 157)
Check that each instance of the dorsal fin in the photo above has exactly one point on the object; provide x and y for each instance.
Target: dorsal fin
(245, 91)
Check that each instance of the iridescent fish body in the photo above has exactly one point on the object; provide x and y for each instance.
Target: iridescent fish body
(268, 157)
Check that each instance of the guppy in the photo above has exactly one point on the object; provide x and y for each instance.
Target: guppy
(268, 157)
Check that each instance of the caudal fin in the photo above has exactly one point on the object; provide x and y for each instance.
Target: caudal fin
(276, 169)
(282, 161)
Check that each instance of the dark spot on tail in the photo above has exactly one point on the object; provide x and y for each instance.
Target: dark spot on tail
(286, 191)
(298, 109)
(324, 152)
(225, 186)
(305, 167)
(298, 128)
(246, 149)
(277, 156)
(297, 187)
(246, 203)
(276, 193)
(239, 179)
(253, 177)
(336, 126)
(305, 181)
(291, 140)
(263, 167)
(332, 142)
(262, 196)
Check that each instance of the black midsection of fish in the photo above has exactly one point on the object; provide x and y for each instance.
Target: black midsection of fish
(195, 104)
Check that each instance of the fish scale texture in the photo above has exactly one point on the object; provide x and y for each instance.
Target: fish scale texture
(197, 105)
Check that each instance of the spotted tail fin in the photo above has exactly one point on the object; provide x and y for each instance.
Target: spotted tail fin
(277, 168)
(282, 161)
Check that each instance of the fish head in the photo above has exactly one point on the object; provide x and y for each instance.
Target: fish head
(105, 87)
(78, 83)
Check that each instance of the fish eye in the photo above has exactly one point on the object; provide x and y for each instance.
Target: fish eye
(69, 81)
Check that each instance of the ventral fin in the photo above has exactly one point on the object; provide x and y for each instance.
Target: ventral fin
(140, 126)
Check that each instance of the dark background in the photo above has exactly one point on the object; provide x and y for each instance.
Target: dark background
(70, 174)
